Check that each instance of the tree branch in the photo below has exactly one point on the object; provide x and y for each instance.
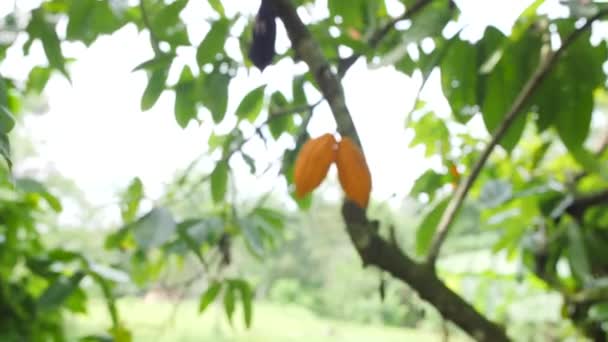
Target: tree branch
(379, 35)
(524, 95)
(579, 205)
(372, 248)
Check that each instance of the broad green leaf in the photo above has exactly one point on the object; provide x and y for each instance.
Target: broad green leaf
(246, 297)
(278, 123)
(155, 87)
(213, 43)
(32, 186)
(430, 22)
(251, 105)
(299, 96)
(219, 181)
(217, 6)
(131, 199)
(426, 229)
(154, 228)
(599, 312)
(459, 79)
(577, 254)
(185, 98)
(253, 238)
(209, 296)
(37, 79)
(351, 12)
(229, 301)
(432, 133)
(58, 291)
(214, 94)
(7, 121)
(579, 72)
(90, 18)
(429, 182)
(168, 26)
(517, 63)
(162, 61)
(39, 28)
(495, 193)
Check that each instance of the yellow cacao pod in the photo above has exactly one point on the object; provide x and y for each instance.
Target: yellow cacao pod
(353, 172)
(313, 162)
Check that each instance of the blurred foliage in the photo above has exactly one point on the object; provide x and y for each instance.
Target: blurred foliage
(531, 201)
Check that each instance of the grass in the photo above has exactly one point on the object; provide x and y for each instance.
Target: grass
(159, 322)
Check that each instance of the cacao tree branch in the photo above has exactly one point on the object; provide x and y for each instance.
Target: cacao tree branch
(379, 35)
(579, 205)
(545, 66)
(371, 247)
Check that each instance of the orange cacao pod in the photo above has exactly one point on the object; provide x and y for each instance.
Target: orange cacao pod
(353, 172)
(313, 162)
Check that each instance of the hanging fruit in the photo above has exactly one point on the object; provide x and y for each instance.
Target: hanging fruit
(313, 162)
(262, 49)
(353, 172)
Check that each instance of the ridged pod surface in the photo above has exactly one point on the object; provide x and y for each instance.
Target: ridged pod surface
(353, 172)
(313, 162)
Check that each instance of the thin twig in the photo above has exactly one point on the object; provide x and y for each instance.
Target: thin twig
(524, 95)
(379, 35)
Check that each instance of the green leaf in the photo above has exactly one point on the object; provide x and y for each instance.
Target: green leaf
(90, 18)
(162, 61)
(39, 28)
(577, 254)
(299, 96)
(219, 181)
(185, 101)
(599, 312)
(429, 182)
(278, 123)
(32, 186)
(213, 43)
(253, 238)
(246, 297)
(209, 296)
(495, 193)
(251, 105)
(579, 73)
(459, 79)
(352, 12)
(229, 301)
(431, 132)
(131, 199)
(154, 228)
(426, 229)
(38, 78)
(214, 94)
(7, 121)
(506, 79)
(5, 149)
(155, 87)
(218, 7)
(55, 295)
(168, 26)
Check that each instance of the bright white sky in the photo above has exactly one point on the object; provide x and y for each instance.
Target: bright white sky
(96, 134)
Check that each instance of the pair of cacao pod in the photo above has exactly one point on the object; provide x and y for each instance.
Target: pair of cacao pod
(315, 159)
